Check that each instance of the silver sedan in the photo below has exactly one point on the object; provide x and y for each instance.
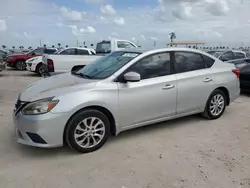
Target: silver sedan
(121, 91)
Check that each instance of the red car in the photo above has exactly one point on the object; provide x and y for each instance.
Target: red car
(18, 60)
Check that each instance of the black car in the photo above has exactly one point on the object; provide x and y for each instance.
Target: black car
(245, 78)
(244, 66)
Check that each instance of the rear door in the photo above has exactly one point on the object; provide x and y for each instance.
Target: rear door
(194, 81)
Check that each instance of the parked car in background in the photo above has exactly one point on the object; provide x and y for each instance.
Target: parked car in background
(35, 64)
(229, 55)
(245, 77)
(18, 60)
(76, 57)
(4, 53)
(123, 90)
(239, 63)
(2, 64)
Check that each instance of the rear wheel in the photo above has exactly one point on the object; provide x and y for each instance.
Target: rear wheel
(87, 131)
(20, 65)
(216, 105)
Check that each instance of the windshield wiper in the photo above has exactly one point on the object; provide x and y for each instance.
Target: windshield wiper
(82, 75)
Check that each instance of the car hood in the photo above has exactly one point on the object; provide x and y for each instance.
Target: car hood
(55, 86)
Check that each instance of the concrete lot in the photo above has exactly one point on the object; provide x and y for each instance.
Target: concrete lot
(189, 152)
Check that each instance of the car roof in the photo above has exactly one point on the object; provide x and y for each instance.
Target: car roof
(139, 50)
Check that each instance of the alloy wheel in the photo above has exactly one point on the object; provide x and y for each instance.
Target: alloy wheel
(217, 104)
(89, 132)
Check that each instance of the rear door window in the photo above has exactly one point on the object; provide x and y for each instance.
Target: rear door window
(208, 61)
(82, 52)
(227, 56)
(188, 61)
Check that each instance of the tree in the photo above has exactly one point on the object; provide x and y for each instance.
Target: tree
(13, 47)
(3, 46)
(44, 45)
(30, 48)
(59, 45)
(91, 45)
(66, 46)
(172, 37)
(53, 46)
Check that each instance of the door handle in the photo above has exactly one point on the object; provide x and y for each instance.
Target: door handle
(207, 80)
(168, 86)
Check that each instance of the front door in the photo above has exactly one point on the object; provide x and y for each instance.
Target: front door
(153, 97)
(194, 82)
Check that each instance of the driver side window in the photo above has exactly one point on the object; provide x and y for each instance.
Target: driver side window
(152, 66)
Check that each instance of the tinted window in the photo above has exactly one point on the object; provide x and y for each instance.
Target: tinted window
(208, 61)
(239, 55)
(49, 51)
(152, 66)
(82, 52)
(70, 51)
(38, 52)
(188, 61)
(227, 56)
(123, 44)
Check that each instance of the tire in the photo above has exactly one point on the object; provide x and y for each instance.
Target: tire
(79, 129)
(20, 65)
(213, 110)
(38, 67)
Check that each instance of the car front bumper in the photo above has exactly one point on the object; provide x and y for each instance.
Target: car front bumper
(44, 130)
(31, 67)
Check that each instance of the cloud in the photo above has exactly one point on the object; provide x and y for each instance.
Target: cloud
(184, 11)
(119, 21)
(218, 7)
(3, 26)
(82, 31)
(71, 15)
(153, 38)
(108, 10)
(115, 34)
(26, 34)
(143, 37)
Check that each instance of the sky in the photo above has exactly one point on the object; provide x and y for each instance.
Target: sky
(215, 22)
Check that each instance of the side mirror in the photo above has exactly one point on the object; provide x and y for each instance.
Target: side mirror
(132, 77)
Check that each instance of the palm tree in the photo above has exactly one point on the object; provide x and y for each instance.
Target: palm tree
(13, 47)
(30, 48)
(172, 37)
(59, 45)
(53, 46)
(66, 46)
(3, 46)
(91, 45)
(44, 45)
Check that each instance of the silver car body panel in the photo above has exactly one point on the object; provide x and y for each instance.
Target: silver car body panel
(132, 104)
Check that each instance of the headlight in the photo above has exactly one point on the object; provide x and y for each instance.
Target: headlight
(40, 107)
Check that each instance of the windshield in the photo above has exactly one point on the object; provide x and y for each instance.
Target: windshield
(107, 65)
(103, 47)
(217, 54)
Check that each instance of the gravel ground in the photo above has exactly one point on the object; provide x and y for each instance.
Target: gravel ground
(189, 152)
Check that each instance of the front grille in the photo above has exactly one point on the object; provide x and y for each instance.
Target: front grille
(19, 105)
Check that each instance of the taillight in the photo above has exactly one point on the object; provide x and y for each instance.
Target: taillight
(50, 65)
(236, 72)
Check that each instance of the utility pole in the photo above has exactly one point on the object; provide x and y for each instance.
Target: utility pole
(40, 43)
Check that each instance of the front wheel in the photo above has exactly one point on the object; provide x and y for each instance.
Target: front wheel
(20, 65)
(87, 131)
(216, 105)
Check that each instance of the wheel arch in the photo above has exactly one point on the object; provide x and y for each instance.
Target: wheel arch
(18, 60)
(99, 108)
(37, 66)
(225, 90)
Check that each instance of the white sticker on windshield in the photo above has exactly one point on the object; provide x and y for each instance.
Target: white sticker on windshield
(130, 55)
